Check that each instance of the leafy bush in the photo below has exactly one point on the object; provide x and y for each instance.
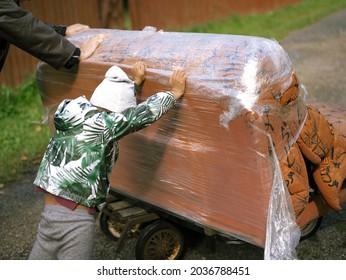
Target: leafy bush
(23, 135)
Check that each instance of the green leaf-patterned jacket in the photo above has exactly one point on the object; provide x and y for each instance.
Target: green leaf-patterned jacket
(84, 148)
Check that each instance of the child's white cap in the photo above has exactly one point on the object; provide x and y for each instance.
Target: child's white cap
(115, 93)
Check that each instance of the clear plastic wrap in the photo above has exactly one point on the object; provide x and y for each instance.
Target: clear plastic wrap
(214, 159)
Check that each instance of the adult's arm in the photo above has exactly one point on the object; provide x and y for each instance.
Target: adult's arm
(20, 28)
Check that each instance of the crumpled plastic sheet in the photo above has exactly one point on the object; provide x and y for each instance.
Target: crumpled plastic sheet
(282, 233)
(214, 160)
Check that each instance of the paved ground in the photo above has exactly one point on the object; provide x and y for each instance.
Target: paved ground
(318, 55)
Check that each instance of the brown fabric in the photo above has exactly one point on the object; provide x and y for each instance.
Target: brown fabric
(294, 172)
(325, 147)
(316, 208)
(316, 137)
(284, 116)
(292, 93)
(329, 177)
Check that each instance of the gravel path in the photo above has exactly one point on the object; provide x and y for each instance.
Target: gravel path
(318, 55)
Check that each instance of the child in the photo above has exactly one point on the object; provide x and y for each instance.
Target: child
(80, 155)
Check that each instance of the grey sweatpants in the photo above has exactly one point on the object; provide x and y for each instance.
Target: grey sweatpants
(64, 234)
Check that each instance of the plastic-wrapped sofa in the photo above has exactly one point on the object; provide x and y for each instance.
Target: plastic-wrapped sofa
(216, 158)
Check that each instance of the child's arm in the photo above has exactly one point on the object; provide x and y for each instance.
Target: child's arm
(149, 111)
(138, 73)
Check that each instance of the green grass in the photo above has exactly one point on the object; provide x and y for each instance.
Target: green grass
(23, 140)
(273, 24)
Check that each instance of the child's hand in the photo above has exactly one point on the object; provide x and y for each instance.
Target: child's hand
(178, 82)
(138, 72)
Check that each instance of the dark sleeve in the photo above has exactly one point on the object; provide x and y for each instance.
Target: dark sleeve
(60, 29)
(20, 28)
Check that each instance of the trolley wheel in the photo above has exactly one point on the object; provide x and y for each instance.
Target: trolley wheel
(310, 228)
(111, 226)
(160, 241)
